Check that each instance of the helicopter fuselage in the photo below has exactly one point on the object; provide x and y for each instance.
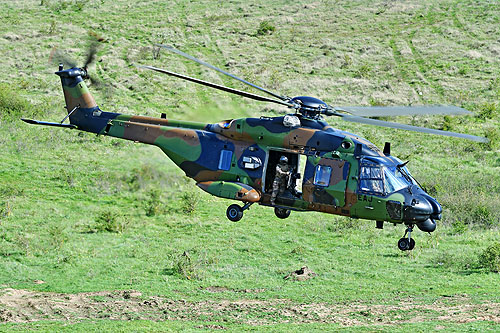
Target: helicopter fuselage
(341, 173)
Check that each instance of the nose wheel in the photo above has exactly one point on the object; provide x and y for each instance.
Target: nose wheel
(407, 243)
(235, 212)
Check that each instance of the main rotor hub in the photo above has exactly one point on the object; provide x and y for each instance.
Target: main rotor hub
(310, 107)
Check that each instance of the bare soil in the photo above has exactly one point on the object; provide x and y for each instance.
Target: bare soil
(29, 306)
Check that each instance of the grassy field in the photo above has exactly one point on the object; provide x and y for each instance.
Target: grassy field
(102, 234)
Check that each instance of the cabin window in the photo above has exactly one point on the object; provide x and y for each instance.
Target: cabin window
(322, 175)
(225, 160)
(371, 179)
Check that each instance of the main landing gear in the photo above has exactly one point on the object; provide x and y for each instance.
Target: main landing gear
(282, 213)
(235, 212)
(407, 243)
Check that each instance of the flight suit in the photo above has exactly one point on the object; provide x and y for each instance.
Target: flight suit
(280, 182)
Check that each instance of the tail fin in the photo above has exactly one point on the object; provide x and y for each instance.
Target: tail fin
(82, 108)
(76, 93)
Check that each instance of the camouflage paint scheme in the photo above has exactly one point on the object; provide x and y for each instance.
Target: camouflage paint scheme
(196, 149)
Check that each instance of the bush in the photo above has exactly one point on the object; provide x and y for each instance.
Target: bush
(265, 28)
(490, 258)
(57, 235)
(493, 135)
(153, 203)
(108, 221)
(189, 201)
(487, 111)
(482, 215)
(189, 265)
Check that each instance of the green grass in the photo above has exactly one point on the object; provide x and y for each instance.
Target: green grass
(85, 213)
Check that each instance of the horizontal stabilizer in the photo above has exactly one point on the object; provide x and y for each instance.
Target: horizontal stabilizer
(37, 122)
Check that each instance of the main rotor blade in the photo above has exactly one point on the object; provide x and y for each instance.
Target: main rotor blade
(392, 111)
(216, 86)
(376, 122)
(201, 62)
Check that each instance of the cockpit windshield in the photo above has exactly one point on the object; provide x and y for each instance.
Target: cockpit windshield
(396, 178)
(383, 179)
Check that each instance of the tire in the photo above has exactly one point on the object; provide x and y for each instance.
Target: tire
(282, 213)
(234, 213)
(412, 244)
(403, 244)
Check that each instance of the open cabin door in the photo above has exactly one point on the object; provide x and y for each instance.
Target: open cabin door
(325, 181)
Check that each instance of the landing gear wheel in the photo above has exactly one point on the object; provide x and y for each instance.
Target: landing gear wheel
(404, 244)
(282, 213)
(412, 244)
(234, 213)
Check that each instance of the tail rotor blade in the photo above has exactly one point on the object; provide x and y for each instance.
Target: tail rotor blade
(57, 57)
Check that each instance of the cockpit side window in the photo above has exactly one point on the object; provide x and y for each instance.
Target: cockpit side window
(322, 175)
(371, 179)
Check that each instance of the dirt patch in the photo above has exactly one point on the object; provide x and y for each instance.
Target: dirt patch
(217, 289)
(29, 306)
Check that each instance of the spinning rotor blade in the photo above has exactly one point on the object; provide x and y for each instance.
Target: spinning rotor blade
(57, 57)
(201, 62)
(91, 54)
(216, 86)
(376, 122)
(392, 111)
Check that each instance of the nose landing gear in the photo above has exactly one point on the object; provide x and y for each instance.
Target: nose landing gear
(407, 243)
(235, 212)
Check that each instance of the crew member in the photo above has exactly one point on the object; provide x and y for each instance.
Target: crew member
(280, 182)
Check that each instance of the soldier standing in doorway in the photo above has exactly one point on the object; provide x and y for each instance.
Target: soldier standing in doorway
(280, 182)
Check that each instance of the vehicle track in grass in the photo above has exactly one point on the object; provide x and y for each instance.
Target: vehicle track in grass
(22, 306)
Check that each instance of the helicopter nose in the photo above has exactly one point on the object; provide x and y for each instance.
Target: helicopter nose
(437, 209)
(419, 209)
(423, 210)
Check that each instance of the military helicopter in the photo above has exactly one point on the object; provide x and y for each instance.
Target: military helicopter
(332, 171)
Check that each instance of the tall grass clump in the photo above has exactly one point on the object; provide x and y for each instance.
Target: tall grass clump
(153, 203)
(12, 105)
(189, 201)
(265, 28)
(190, 264)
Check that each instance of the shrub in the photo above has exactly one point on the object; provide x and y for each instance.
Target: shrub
(189, 264)
(189, 201)
(493, 135)
(459, 227)
(153, 203)
(57, 235)
(487, 111)
(265, 28)
(109, 221)
(490, 258)
(448, 123)
(482, 215)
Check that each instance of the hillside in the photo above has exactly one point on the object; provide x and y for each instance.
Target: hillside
(94, 229)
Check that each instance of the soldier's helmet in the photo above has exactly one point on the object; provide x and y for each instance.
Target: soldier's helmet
(283, 160)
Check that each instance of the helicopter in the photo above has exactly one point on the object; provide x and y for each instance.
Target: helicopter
(331, 170)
